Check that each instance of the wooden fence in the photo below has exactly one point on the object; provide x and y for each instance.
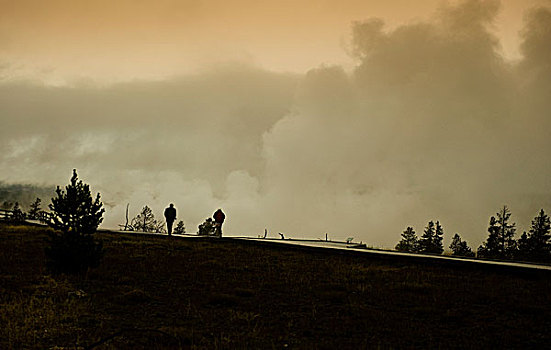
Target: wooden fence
(44, 216)
(6, 214)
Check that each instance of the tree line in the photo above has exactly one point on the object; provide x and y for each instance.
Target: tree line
(534, 245)
(18, 215)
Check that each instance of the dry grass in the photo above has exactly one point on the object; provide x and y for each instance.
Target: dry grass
(152, 292)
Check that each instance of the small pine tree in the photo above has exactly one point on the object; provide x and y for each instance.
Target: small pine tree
(74, 209)
(536, 245)
(409, 241)
(459, 247)
(180, 228)
(206, 228)
(18, 215)
(500, 243)
(77, 216)
(145, 221)
(34, 210)
(431, 240)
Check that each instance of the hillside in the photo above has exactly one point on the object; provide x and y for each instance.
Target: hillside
(153, 292)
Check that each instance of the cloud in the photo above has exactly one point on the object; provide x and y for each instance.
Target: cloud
(147, 143)
(432, 125)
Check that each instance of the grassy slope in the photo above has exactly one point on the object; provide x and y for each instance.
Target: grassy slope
(151, 292)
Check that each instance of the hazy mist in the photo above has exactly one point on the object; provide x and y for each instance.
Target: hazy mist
(432, 123)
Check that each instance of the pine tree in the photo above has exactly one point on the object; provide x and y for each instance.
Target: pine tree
(431, 240)
(536, 245)
(18, 215)
(409, 241)
(523, 245)
(500, 244)
(459, 247)
(74, 210)
(77, 216)
(34, 209)
(490, 247)
(425, 243)
(145, 221)
(180, 228)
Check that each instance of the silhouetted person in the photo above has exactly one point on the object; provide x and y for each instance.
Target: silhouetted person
(219, 218)
(170, 216)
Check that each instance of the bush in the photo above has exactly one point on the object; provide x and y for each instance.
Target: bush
(206, 228)
(180, 228)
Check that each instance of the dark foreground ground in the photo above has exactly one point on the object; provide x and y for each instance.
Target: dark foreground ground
(152, 292)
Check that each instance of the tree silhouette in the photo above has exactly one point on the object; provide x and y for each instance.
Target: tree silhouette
(536, 245)
(34, 209)
(180, 228)
(74, 209)
(18, 215)
(206, 228)
(500, 243)
(159, 226)
(145, 221)
(409, 241)
(431, 240)
(77, 216)
(459, 247)
(523, 247)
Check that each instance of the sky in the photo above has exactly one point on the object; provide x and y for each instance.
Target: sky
(352, 118)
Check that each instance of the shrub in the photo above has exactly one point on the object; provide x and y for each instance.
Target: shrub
(206, 228)
(180, 228)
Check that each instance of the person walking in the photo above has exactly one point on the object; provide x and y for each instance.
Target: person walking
(219, 218)
(170, 216)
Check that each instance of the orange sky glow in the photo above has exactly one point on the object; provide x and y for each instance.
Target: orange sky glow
(60, 40)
